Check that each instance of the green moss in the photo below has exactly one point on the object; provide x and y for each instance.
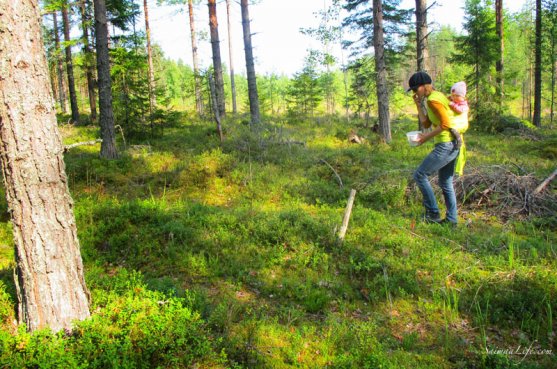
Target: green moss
(208, 255)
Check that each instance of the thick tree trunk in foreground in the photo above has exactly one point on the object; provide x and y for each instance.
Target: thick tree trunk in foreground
(49, 273)
(197, 77)
(250, 68)
(381, 72)
(217, 61)
(108, 146)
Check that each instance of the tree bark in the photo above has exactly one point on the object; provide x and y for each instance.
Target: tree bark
(50, 284)
(421, 35)
(553, 73)
(152, 99)
(347, 213)
(215, 111)
(250, 67)
(69, 63)
(381, 72)
(217, 61)
(197, 77)
(545, 182)
(89, 57)
(59, 67)
(500, 60)
(232, 82)
(538, 66)
(108, 146)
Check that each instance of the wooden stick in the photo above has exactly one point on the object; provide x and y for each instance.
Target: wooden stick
(347, 213)
(334, 171)
(67, 147)
(544, 184)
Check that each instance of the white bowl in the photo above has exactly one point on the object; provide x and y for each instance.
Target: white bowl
(413, 137)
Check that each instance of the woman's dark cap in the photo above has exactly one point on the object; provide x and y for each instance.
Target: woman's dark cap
(418, 79)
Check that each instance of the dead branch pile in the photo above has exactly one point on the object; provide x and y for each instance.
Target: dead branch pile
(500, 191)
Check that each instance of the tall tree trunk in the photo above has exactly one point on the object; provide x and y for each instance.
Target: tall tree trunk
(59, 67)
(69, 64)
(421, 35)
(345, 77)
(89, 57)
(499, 63)
(108, 146)
(232, 82)
(215, 111)
(49, 281)
(250, 67)
(217, 61)
(477, 82)
(538, 66)
(152, 99)
(422, 55)
(553, 73)
(381, 72)
(197, 76)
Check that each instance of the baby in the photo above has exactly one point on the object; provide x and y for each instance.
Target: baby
(459, 106)
(458, 98)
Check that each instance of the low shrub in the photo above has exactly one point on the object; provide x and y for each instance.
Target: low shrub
(132, 327)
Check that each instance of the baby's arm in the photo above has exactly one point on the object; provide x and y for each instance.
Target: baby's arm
(459, 107)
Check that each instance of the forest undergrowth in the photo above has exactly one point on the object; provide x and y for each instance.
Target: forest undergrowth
(207, 255)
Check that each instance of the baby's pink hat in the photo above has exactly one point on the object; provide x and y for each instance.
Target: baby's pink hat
(459, 88)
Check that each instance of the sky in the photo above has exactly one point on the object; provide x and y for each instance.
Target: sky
(279, 47)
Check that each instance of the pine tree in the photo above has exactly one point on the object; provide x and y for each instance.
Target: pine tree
(89, 58)
(152, 98)
(59, 65)
(217, 61)
(231, 59)
(384, 27)
(500, 59)
(108, 146)
(49, 273)
(66, 9)
(479, 47)
(422, 54)
(536, 119)
(250, 66)
(550, 27)
(305, 93)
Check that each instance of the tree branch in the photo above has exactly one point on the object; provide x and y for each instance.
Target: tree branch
(334, 171)
(544, 184)
(68, 147)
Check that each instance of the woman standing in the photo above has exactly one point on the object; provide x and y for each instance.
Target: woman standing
(442, 158)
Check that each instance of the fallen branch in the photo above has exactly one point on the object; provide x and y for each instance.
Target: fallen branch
(544, 184)
(334, 171)
(89, 143)
(347, 213)
(289, 142)
(506, 194)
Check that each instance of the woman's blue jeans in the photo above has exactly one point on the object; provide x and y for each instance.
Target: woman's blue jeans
(442, 160)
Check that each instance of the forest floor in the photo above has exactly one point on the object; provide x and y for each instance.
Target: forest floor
(227, 254)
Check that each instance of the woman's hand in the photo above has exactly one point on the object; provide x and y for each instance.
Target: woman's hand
(417, 99)
(421, 138)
